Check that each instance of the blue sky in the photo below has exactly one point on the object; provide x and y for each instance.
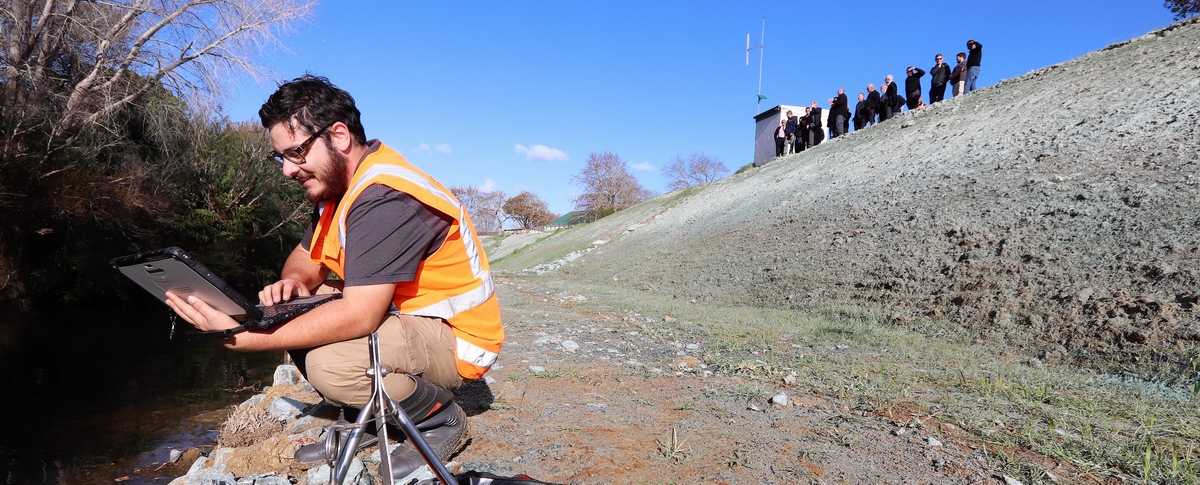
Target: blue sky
(515, 95)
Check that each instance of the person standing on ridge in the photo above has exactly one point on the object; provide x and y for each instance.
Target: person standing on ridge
(912, 86)
(872, 104)
(793, 123)
(939, 75)
(781, 139)
(958, 77)
(974, 57)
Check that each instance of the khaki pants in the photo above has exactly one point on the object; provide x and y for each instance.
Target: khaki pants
(420, 346)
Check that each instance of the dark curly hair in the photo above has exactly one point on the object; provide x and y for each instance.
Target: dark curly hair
(313, 103)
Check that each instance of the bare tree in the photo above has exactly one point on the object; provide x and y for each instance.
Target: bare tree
(485, 208)
(528, 210)
(1183, 8)
(71, 64)
(697, 169)
(607, 186)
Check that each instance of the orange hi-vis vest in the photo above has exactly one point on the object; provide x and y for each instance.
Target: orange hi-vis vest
(453, 284)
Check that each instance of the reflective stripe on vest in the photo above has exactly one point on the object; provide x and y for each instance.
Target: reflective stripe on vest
(454, 305)
(416, 179)
(475, 355)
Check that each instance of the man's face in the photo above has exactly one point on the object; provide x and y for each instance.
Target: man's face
(961, 58)
(323, 170)
(938, 59)
(841, 90)
(860, 96)
(870, 88)
(888, 79)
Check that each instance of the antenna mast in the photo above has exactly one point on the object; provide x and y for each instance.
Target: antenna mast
(760, 45)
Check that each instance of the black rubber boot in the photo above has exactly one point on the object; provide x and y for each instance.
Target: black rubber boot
(442, 423)
(335, 437)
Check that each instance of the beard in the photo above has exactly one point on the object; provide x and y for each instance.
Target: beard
(333, 178)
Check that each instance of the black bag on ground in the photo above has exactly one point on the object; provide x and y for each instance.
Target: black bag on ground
(483, 478)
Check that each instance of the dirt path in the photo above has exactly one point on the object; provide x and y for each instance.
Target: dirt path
(629, 407)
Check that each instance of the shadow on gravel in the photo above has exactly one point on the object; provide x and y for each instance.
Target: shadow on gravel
(475, 398)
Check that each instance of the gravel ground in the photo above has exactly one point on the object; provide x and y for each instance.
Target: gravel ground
(587, 395)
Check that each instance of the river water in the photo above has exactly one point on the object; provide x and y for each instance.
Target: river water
(101, 395)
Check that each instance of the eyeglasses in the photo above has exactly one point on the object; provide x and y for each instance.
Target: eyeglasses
(296, 155)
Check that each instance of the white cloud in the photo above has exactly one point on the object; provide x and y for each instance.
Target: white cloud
(443, 148)
(541, 152)
(642, 166)
(488, 185)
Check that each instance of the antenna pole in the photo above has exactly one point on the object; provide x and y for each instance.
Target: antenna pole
(760, 48)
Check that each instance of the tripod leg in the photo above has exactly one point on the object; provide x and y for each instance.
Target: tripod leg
(389, 407)
(350, 447)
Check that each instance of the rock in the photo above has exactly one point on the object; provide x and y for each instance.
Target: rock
(425, 475)
(790, 379)
(692, 347)
(199, 475)
(489, 380)
(174, 456)
(264, 479)
(570, 346)
(285, 408)
(303, 423)
(780, 399)
(220, 456)
(254, 400)
(1011, 481)
(668, 318)
(934, 442)
(537, 369)
(320, 475)
(900, 431)
(287, 374)
(685, 363)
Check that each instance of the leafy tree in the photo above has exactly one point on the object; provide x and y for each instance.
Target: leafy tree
(1183, 8)
(697, 169)
(528, 210)
(607, 186)
(100, 103)
(485, 208)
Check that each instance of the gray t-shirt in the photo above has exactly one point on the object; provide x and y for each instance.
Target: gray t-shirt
(388, 234)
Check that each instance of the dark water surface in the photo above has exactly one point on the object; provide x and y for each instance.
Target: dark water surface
(95, 395)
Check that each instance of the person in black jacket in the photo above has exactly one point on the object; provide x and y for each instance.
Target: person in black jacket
(912, 86)
(801, 141)
(839, 109)
(860, 113)
(815, 132)
(889, 99)
(974, 57)
(792, 136)
(939, 75)
(872, 104)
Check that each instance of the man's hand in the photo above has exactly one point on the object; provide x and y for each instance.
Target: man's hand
(196, 312)
(281, 291)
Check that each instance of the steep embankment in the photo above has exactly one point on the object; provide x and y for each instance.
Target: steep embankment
(1055, 212)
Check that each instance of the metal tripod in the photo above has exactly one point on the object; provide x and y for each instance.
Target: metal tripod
(381, 407)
